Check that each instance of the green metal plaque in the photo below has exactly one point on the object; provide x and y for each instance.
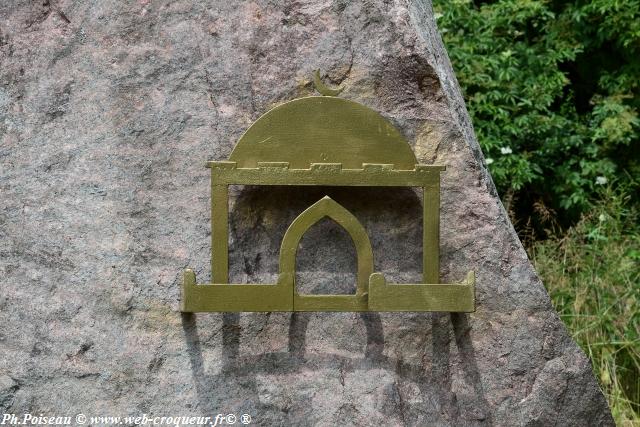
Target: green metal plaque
(325, 140)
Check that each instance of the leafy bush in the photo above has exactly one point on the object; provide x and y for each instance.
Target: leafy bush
(593, 276)
(552, 88)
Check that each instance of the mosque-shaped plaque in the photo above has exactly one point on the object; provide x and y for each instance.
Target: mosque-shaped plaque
(325, 141)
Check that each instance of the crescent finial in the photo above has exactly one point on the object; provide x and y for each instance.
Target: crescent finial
(322, 88)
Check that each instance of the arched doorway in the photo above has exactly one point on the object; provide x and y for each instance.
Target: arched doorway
(327, 207)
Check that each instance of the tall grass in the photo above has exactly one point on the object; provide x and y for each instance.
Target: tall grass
(592, 273)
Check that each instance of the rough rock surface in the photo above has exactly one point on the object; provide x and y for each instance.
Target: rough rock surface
(108, 111)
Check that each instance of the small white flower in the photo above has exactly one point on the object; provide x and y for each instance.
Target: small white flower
(602, 218)
(601, 180)
(506, 150)
(488, 160)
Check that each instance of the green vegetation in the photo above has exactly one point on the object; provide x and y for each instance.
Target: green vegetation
(593, 277)
(552, 88)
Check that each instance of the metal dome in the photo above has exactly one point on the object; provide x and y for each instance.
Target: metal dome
(323, 129)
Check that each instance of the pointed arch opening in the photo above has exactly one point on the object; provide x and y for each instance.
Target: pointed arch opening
(328, 208)
(326, 261)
